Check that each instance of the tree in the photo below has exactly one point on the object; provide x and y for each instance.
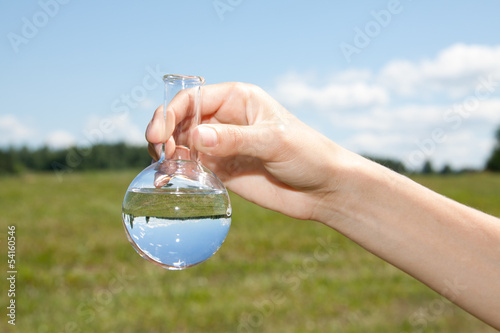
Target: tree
(446, 170)
(7, 162)
(427, 169)
(392, 164)
(493, 163)
(99, 156)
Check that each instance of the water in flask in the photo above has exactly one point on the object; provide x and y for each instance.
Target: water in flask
(174, 228)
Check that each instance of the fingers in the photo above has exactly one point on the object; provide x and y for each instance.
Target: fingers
(227, 102)
(155, 130)
(229, 140)
(154, 149)
(234, 104)
(161, 126)
(163, 122)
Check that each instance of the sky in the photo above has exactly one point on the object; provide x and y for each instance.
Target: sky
(411, 80)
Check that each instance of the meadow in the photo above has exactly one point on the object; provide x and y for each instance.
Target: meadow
(76, 271)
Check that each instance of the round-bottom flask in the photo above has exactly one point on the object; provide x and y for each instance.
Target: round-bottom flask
(180, 224)
(176, 212)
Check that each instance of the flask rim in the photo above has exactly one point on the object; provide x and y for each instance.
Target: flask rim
(172, 78)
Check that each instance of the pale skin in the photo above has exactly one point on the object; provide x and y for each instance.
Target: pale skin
(250, 141)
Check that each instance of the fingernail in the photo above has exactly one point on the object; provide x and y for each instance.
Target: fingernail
(208, 136)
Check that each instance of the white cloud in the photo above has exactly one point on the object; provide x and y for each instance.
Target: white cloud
(397, 111)
(414, 133)
(455, 71)
(129, 132)
(348, 89)
(148, 104)
(373, 143)
(410, 117)
(463, 148)
(60, 139)
(113, 128)
(13, 130)
(488, 110)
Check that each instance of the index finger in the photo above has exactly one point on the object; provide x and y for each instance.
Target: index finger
(223, 103)
(226, 102)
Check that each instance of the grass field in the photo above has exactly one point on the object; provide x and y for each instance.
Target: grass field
(78, 273)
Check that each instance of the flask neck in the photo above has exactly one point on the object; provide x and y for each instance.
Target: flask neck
(183, 87)
(185, 154)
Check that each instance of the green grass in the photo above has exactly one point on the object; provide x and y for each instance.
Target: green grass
(78, 273)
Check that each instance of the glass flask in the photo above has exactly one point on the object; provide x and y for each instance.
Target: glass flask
(176, 212)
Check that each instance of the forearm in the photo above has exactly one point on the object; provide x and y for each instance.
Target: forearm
(452, 248)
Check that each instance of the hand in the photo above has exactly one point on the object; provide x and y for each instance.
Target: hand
(257, 148)
(269, 157)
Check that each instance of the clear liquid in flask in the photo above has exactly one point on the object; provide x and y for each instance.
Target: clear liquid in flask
(176, 228)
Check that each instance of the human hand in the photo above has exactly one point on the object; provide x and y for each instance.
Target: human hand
(266, 155)
(256, 147)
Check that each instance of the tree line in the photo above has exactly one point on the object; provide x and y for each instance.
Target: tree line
(123, 156)
(96, 157)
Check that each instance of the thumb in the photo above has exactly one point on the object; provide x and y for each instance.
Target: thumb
(229, 140)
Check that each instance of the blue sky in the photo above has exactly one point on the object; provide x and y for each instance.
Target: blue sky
(401, 79)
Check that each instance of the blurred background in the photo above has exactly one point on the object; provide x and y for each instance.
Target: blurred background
(413, 84)
(410, 80)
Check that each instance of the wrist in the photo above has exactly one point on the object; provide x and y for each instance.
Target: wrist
(342, 184)
(355, 192)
